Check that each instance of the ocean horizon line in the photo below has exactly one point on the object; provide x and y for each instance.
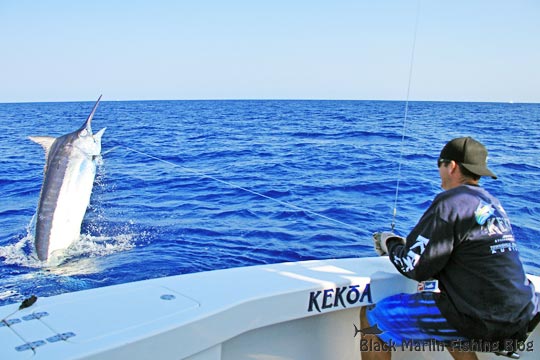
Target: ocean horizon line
(271, 99)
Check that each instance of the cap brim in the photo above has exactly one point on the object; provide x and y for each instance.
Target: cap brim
(480, 170)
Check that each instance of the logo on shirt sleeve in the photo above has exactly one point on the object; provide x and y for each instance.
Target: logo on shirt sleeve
(492, 221)
(483, 212)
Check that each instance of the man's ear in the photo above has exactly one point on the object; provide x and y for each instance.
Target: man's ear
(453, 166)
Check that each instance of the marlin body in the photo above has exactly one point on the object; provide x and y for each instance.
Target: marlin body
(70, 169)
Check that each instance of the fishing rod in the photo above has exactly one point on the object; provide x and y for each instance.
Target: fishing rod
(405, 116)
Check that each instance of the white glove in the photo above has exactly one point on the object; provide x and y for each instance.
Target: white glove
(380, 239)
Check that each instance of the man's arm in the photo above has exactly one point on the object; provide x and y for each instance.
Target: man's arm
(427, 249)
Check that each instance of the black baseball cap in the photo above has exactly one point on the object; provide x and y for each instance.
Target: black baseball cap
(469, 153)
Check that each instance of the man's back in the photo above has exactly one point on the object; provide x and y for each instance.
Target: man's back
(470, 248)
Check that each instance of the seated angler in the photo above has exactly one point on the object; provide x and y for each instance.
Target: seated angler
(465, 241)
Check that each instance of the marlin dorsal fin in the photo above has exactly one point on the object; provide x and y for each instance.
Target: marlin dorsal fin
(45, 141)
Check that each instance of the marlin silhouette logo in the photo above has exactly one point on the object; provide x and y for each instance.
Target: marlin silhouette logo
(372, 330)
(70, 168)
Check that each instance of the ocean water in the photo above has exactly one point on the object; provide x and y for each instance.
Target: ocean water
(189, 186)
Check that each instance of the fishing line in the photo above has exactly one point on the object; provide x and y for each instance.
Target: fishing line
(284, 203)
(411, 65)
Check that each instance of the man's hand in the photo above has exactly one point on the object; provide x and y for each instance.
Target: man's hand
(380, 240)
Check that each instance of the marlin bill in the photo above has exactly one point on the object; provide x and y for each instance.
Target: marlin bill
(70, 169)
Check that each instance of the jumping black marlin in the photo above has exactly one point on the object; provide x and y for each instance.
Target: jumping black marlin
(70, 169)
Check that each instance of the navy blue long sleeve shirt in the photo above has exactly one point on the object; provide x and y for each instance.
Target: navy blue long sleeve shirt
(465, 241)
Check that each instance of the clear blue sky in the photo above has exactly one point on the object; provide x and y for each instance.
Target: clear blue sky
(466, 50)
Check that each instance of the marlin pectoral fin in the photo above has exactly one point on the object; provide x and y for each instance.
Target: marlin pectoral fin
(45, 142)
(98, 135)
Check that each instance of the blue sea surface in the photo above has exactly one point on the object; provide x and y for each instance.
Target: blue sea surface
(190, 186)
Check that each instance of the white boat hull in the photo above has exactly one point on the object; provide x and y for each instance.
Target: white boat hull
(304, 310)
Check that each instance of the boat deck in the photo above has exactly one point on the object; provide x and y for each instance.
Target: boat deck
(301, 310)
